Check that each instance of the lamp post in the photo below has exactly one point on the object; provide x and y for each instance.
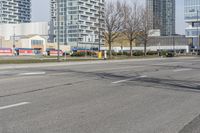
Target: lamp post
(174, 43)
(1, 42)
(58, 29)
(99, 26)
(174, 49)
(77, 23)
(198, 28)
(92, 43)
(13, 39)
(85, 45)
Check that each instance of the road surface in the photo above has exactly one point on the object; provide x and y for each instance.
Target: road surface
(129, 96)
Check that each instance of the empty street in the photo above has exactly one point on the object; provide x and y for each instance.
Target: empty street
(125, 96)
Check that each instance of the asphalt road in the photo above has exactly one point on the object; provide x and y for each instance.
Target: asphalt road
(130, 96)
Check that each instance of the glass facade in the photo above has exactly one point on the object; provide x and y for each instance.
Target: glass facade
(79, 22)
(192, 18)
(163, 12)
(155, 10)
(15, 11)
(37, 42)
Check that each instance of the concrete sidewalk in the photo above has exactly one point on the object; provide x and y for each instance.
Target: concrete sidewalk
(41, 57)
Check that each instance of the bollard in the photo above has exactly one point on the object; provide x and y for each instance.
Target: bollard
(105, 55)
(99, 55)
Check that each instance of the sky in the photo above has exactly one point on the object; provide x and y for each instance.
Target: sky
(41, 12)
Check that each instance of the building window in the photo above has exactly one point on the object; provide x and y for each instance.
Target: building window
(36, 42)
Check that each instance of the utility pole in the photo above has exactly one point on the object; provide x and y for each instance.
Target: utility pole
(77, 23)
(66, 24)
(13, 39)
(174, 49)
(58, 28)
(85, 45)
(77, 34)
(1, 41)
(198, 28)
(99, 26)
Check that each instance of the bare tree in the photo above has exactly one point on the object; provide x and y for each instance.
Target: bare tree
(146, 27)
(113, 23)
(131, 23)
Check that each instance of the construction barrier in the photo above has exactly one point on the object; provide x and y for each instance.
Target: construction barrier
(25, 51)
(6, 52)
(55, 53)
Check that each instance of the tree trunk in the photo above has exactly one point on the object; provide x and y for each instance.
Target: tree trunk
(131, 48)
(145, 48)
(110, 50)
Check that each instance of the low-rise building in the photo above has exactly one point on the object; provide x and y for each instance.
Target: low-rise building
(174, 43)
(35, 42)
(155, 43)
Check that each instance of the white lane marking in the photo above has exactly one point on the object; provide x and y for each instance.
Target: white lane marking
(120, 81)
(33, 73)
(13, 105)
(118, 68)
(125, 80)
(180, 70)
(168, 63)
(143, 76)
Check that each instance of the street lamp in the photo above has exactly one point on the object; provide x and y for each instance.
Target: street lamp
(174, 48)
(198, 27)
(99, 26)
(13, 39)
(92, 43)
(85, 45)
(77, 24)
(58, 29)
(1, 42)
(174, 43)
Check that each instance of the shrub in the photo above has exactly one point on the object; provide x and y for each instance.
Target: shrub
(78, 54)
(120, 53)
(126, 53)
(114, 53)
(90, 53)
(152, 53)
(163, 53)
(138, 53)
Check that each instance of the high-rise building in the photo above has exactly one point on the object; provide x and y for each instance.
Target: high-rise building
(163, 15)
(81, 22)
(192, 18)
(15, 11)
(154, 9)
